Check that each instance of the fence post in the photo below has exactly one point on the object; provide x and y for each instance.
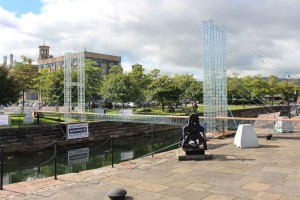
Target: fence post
(223, 124)
(152, 144)
(112, 150)
(2, 167)
(55, 161)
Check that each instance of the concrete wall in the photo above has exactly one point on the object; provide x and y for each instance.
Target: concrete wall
(37, 137)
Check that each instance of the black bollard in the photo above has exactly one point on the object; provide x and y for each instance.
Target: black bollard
(152, 144)
(55, 162)
(117, 193)
(2, 167)
(268, 136)
(112, 151)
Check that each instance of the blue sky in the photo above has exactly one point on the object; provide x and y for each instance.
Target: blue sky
(21, 6)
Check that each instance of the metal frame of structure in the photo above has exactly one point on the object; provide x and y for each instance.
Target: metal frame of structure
(148, 119)
(215, 75)
(68, 84)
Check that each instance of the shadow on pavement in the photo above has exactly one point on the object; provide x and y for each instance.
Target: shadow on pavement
(230, 158)
(268, 146)
(215, 146)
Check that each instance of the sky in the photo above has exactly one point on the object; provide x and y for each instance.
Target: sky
(262, 36)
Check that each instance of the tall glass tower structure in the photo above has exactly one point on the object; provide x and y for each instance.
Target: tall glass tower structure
(215, 75)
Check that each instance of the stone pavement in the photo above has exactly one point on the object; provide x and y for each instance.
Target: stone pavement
(269, 172)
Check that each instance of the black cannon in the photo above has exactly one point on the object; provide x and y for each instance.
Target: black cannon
(193, 139)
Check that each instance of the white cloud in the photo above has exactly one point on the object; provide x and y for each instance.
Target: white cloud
(163, 34)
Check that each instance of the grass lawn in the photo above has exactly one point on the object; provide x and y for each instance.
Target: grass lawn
(17, 120)
(240, 107)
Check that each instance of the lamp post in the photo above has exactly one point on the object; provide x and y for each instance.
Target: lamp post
(288, 98)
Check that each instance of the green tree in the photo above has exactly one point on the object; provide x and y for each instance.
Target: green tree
(287, 89)
(186, 84)
(42, 83)
(24, 72)
(93, 80)
(50, 85)
(165, 91)
(9, 90)
(233, 85)
(258, 87)
(55, 91)
(272, 88)
(149, 78)
(195, 92)
(119, 87)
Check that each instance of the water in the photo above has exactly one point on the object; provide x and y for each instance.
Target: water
(31, 165)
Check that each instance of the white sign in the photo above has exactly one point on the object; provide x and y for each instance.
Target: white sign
(12, 110)
(4, 120)
(75, 131)
(126, 155)
(126, 112)
(77, 156)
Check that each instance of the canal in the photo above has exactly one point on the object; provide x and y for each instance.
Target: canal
(24, 166)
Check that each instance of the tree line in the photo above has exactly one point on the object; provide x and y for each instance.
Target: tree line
(135, 86)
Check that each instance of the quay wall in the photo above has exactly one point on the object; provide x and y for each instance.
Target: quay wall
(39, 136)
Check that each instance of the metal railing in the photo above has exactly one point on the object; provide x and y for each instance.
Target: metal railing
(151, 119)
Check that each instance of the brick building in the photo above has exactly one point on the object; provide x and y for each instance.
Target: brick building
(103, 61)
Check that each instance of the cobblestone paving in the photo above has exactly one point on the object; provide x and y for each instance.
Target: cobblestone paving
(271, 171)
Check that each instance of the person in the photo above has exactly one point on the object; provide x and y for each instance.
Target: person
(195, 107)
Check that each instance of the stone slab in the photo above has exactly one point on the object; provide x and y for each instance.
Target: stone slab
(195, 157)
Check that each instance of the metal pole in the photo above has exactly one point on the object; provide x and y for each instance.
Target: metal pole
(152, 144)
(55, 162)
(288, 98)
(223, 126)
(2, 167)
(19, 120)
(112, 151)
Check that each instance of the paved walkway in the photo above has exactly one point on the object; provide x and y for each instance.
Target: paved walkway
(269, 172)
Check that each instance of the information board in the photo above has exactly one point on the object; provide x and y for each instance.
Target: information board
(75, 131)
